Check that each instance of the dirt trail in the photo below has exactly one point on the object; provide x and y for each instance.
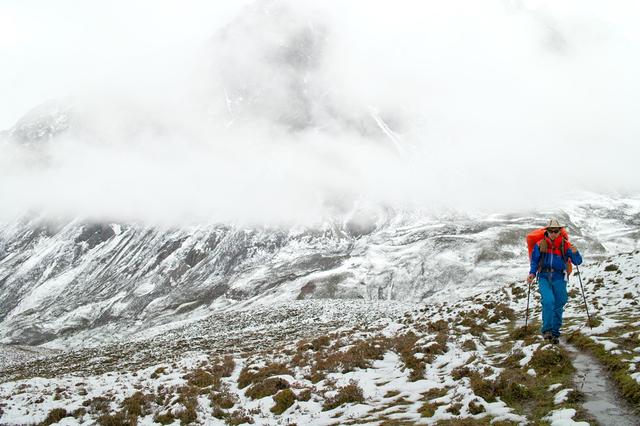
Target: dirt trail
(602, 400)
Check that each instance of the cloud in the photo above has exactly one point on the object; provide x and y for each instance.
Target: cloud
(297, 111)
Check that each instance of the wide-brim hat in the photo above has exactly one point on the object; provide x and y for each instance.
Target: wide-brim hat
(553, 223)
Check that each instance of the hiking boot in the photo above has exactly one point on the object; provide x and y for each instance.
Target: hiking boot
(547, 336)
(555, 340)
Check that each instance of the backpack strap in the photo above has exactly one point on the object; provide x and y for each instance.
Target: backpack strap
(563, 249)
(543, 251)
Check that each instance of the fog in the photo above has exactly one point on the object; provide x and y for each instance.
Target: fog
(298, 112)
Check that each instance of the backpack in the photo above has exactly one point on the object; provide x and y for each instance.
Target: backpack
(534, 237)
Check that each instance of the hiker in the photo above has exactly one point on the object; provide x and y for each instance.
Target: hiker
(549, 262)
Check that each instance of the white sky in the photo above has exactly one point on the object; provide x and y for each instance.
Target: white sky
(48, 49)
(494, 105)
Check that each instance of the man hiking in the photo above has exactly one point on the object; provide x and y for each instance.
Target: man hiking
(549, 262)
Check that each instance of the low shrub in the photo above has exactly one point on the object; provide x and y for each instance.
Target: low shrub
(501, 312)
(158, 371)
(320, 342)
(460, 372)
(523, 332)
(54, 416)
(283, 400)
(117, 419)
(438, 326)
(97, 405)
(267, 387)
(475, 407)
(549, 359)
(223, 398)
(405, 347)
(511, 385)
(475, 327)
(137, 405)
(78, 412)
(304, 395)
(249, 376)
(513, 359)
(202, 378)
(469, 345)
(224, 367)
(434, 393)
(351, 393)
(239, 417)
(454, 409)
(428, 409)
(164, 419)
(187, 415)
(359, 355)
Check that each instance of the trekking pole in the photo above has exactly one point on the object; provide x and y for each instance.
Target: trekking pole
(526, 321)
(584, 297)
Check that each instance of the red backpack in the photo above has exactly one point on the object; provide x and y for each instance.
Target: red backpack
(534, 237)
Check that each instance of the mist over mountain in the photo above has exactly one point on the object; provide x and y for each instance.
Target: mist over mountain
(290, 116)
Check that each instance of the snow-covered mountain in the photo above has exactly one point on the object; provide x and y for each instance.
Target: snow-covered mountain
(64, 283)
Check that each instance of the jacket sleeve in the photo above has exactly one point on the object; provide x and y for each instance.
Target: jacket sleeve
(575, 256)
(535, 258)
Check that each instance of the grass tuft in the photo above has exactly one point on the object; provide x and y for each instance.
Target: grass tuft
(351, 393)
(54, 416)
(249, 376)
(267, 387)
(283, 400)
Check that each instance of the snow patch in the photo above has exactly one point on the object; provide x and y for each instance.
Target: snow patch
(564, 417)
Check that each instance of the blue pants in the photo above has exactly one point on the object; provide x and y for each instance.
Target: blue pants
(554, 297)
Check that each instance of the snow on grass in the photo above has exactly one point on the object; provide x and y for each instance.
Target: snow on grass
(607, 324)
(561, 396)
(564, 417)
(435, 375)
(528, 353)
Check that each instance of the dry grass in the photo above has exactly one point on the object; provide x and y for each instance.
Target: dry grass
(158, 371)
(137, 404)
(460, 372)
(434, 393)
(550, 360)
(469, 345)
(223, 398)
(224, 367)
(239, 417)
(351, 393)
(283, 400)
(54, 416)
(118, 419)
(359, 355)
(475, 407)
(202, 378)
(267, 387)
(249, 376)
(428, 409)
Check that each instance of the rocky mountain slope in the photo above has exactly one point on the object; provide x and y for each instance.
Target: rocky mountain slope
(65, 283)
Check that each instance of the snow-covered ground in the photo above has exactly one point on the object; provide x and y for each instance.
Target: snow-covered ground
(342, 362)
